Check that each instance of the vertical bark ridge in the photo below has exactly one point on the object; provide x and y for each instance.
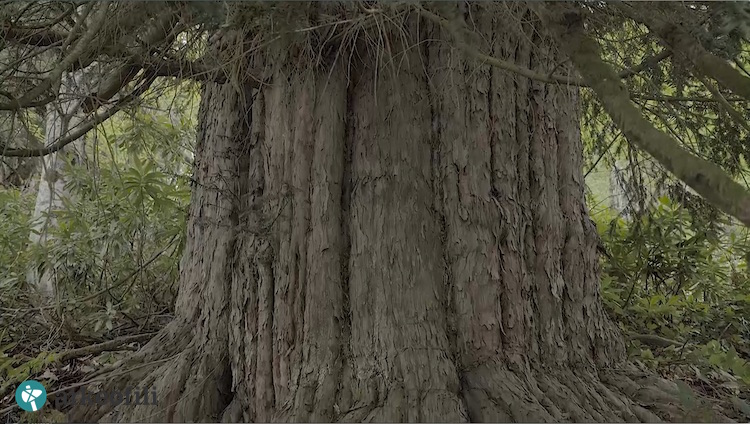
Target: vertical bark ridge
(522, 295)
(303, 109)
(342, 396)
(228, 134)
(505, 186)
(461, 91)
(401, 366)
(323, 335)
(266, 399)
(250, 306)
(448, 294)
(287, 132)
(578, 295)
(545, 208)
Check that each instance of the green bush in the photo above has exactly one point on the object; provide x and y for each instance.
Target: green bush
(115, 249)
(680, 290)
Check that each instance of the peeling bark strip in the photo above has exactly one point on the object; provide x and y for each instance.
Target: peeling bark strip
(398, 242)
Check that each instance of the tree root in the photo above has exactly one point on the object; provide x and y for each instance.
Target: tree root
(190, 390)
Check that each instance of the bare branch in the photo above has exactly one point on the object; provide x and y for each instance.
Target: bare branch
(716, 94)
(149, 57)
(83, 128)
(81, 47)
(646, 63)
(163, 31)
(197, 71)
(95, 349)
(665, 98)
(31, 37)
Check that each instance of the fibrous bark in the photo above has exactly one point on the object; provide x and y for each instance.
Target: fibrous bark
(406, 242)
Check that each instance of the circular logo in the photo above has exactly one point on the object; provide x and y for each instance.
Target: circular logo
(31, 395)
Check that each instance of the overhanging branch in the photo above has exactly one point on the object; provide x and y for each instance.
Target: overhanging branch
(681, 41)
(704, 177)
(646, 63)
(83, 128)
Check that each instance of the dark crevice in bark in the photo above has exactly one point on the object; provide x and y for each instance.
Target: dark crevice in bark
(224, 385)
(265, 270)
(494, 194)
(345, 321)
(439, 210)
(524, 234)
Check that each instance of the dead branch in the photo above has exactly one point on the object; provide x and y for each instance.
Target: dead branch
(101, 347)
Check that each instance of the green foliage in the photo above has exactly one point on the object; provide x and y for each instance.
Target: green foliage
(115, 248)
(14, 234)
(681, 291)
(671, 97)
(12, 373)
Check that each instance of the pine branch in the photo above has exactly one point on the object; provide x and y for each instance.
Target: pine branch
(681, 41)
(704, 177)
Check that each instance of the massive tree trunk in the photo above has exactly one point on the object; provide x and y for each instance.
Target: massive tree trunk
(391, 236)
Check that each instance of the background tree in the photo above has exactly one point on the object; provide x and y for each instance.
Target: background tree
(388, 217)
(52, 191)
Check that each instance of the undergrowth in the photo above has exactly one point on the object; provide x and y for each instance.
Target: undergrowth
(114, 253)
(679, 287)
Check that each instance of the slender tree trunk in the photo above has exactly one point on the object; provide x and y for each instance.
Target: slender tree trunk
(51, 190)
(399, 242)
(618, 179)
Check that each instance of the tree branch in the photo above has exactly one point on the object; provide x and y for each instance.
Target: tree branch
(161, 33)
(680, 40)
(196, 70)
(82, 49)
(666, 98)
(654, 340)
(31, 37)
(82, 129)
(101, 347)
(736, 116)
(704, 177)
(648, 62)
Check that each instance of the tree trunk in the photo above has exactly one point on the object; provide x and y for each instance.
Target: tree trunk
(394, 236)
(51, 189)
